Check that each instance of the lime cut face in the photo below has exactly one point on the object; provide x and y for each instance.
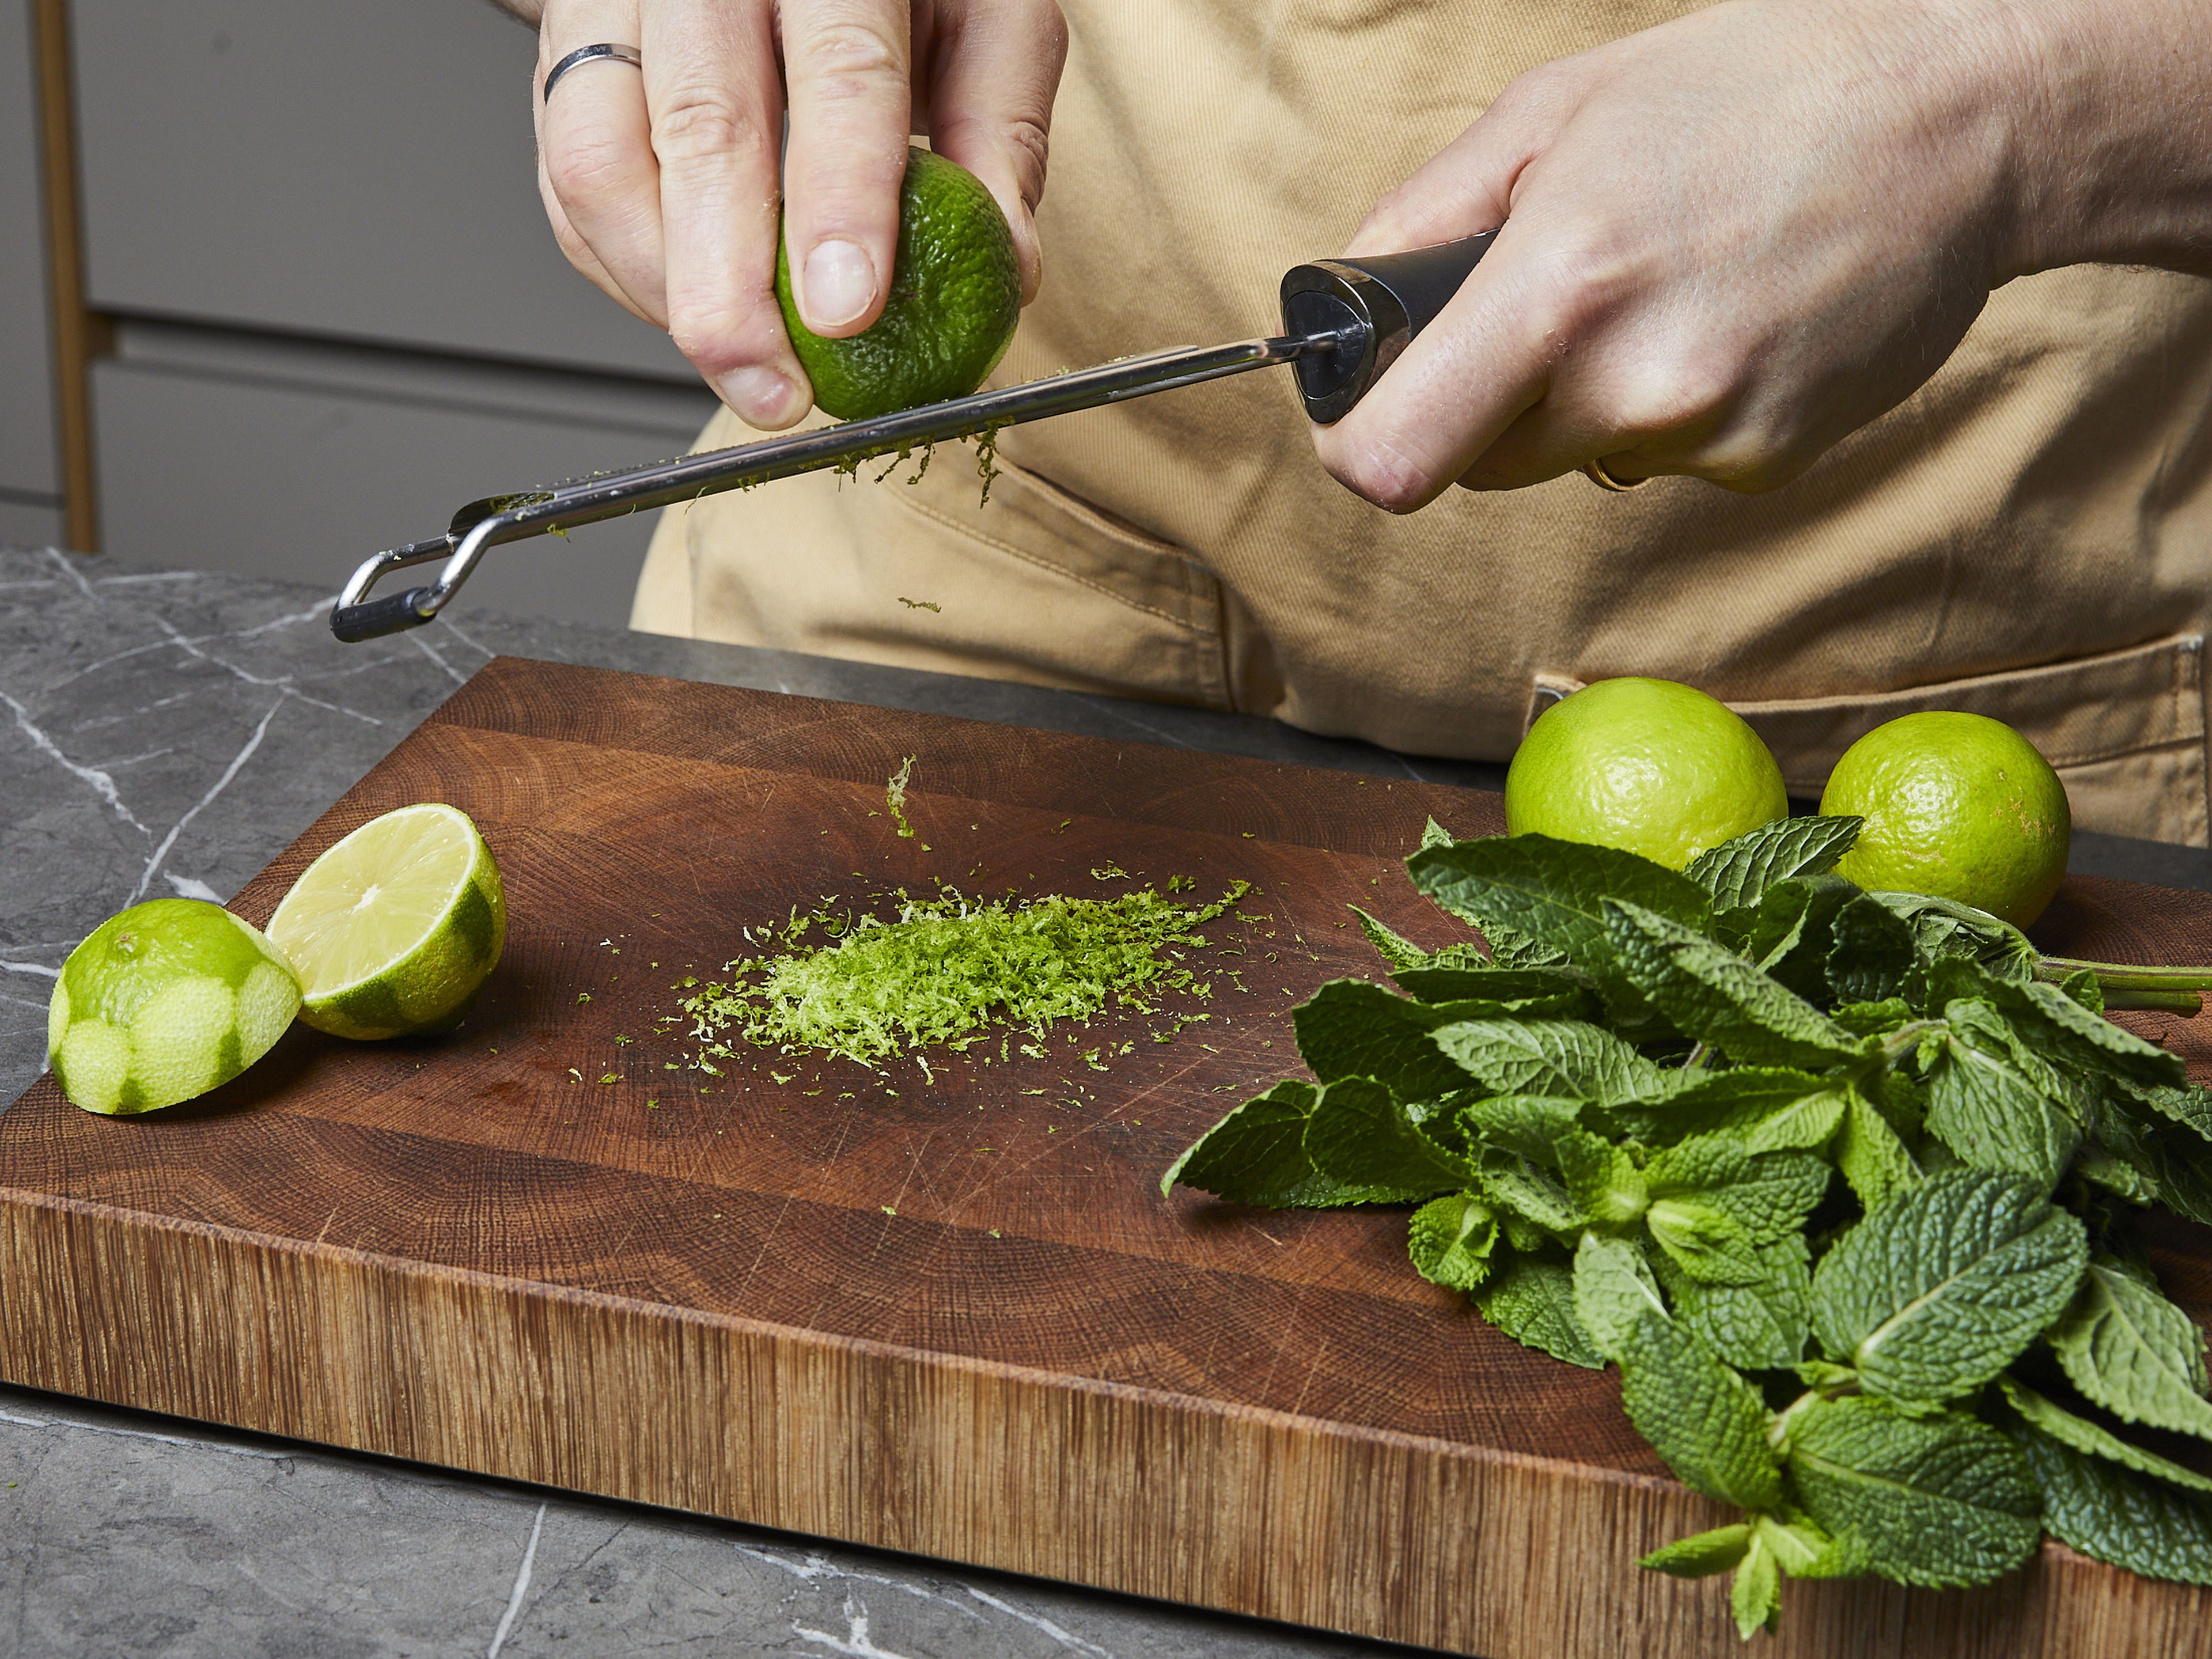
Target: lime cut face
(394, 928)
(956, 295)
(1649, 766)
(1960, 806)
(164, 1002)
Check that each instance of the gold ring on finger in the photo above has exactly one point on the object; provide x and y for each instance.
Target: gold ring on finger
(1595, 470)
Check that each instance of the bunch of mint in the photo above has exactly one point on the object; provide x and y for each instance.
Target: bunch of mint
(1845, 1182)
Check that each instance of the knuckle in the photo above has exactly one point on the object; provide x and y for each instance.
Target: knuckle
(696, 120)
(844, 57)
(716, 340)
(585, 165)
(1579, 285)
(1674, 393)
(1029, 144)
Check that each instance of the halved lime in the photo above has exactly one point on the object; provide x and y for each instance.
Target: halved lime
(165, 1002)
(394, 928)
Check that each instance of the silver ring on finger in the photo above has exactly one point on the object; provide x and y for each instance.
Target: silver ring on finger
(1595, 471)
(606, 49)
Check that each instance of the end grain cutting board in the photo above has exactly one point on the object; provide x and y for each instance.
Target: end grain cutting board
(953, 1317)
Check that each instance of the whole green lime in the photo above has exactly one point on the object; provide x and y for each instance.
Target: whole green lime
(1651, 766)
(1960, 806)
(165, 1002)
(956, 295)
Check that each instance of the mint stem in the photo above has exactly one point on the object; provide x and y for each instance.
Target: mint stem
(2127, 977)
(2126, 985)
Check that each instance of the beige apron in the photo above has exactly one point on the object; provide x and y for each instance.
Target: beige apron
(2030, 537)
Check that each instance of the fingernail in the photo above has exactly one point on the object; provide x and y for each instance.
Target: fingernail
(841, 282)
(761, 397)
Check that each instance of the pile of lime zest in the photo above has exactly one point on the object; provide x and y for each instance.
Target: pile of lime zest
(948, 968)
(895, 797)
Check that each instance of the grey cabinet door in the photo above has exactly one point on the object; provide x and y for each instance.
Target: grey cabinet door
(225, 454)
(28, 465)
(336, 168)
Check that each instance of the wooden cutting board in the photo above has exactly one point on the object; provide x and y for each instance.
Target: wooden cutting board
(951, 1315)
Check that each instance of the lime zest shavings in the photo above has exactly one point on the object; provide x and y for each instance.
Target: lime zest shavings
(946, 968)
(895, 797)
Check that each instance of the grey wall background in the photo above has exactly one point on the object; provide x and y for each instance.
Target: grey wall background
(30, 480)
(340, 313)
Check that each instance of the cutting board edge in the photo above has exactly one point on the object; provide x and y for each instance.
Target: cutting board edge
(1240, 1509)
(15, 1200)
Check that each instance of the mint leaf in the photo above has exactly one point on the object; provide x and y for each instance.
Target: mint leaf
(1434, 835)
(1702, 1554)
(1807, 1121)
(2117, 1515)
(1529, 1192)
(1939, 1289)
(1738, 872)
(1614, 1292)
(1940, 1502)
(1871, 956)
(1868, 1153)
(1768, 1193)
(2129, 1350)
(1755, 1597)
(1449, 1241)
(1873, 1018)
(1757, 1327)
(1527, 993)
(2176, 1168)
(1354, 1028)
(1532, 1299)
(1791, 932)
(1550, 892)
(1713, 994)
(1257, 1155)
(1548, 1057)
(1709, 1245)
(1706, 1422)
(1801, 1548)
(2190, 1106)
(1607, 1187)
(1393, 947)
(1529, 1126)
(1944, 929)
(2084, 1046)
(2094, 1439)
(1360, 1134)
(1509, 949)
(1767, 1107)
(1993, 1102)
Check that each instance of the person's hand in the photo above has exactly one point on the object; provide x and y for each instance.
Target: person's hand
(665, 186)
(1728, 242)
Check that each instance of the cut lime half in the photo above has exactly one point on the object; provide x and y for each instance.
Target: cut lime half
(167, 1000)
(392, 930)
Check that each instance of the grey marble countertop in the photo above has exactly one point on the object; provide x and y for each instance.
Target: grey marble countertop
(167, 731)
